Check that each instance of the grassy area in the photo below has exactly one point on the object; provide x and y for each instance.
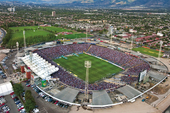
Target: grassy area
(23, 27)
(37, 34)
(99, 68)
(76, 35)
(29, 33)
(57, 29)
(147, 51)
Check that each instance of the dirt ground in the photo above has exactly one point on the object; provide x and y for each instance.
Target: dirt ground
(151, 98)
(2, 56)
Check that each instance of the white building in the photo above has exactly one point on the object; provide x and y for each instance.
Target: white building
(13, 9)
(160, 34)
(10, 9)
(53, 13)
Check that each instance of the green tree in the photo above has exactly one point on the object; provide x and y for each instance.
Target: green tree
(18, 89)
(29, 105)
(30, 102)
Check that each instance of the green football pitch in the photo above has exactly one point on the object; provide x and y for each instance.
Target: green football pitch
(99, 68)
(147, 51)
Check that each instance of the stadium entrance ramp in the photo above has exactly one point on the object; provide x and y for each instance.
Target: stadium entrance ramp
(68, 94)
(156, 75)
(101, 98)
(129, 91)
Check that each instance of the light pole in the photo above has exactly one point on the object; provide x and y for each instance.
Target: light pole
(132, 42)
(17, 44)
(87, 64)
(86, 33)
(24, 41)
(161, 42)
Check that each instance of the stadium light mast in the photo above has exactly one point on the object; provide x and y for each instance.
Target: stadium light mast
(86, 33)
(161, 42)
(24, 41)
(132, 42)
(17, 44)
(87, 65)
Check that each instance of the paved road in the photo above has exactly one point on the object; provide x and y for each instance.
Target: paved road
(11, 104)
(9, 62)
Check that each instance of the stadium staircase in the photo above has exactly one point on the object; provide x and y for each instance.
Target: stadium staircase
(128, 62)
(137, 65)
(113, 81)
(88, 48)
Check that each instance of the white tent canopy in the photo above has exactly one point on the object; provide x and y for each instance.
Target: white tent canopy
(5, 89)
(39, 66)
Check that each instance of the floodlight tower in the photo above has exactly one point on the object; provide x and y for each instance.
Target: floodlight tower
(132, 41)
(161, 42)
(111, 34)
(17, 44)
(86, 33)
(87, 64)
(24, 42)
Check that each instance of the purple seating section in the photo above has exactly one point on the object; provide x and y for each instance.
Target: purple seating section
(134, 64)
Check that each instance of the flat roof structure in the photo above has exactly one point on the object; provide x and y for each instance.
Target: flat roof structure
(150, 59)
(5, 88)
(163, 68)
(129, 91)
(67, 94)
(156, 75)
(136, 53)
(101, 98)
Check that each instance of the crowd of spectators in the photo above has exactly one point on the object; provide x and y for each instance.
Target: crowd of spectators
(128, 79)
(60, 50)
(134, 64)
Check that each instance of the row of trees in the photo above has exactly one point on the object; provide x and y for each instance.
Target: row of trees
(31, 40)
(29, 103)
(7, 37)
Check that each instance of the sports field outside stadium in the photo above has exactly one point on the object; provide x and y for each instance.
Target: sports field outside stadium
(147, 51)
(99, 68)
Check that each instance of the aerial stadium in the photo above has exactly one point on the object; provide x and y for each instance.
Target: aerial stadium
(114, 76)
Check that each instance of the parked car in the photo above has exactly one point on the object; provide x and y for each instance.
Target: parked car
(42, 94)
(22, 111)
(20, 106)
(12, 93)
(56, 102)
(2, 100)
(27, 84)
(15, 99)
(17, 102)
(5, 108)
(13, 96)
(4, 76)
(36, 110)
(2, 104)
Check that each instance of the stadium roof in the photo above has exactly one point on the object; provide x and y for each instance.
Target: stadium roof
(136, 53)
(39, 66)
(67, 94)
(163, 68)
(101, 98)
(5, 89)
(150, 59)
(156, 75)
(129, 91)
(30, 48)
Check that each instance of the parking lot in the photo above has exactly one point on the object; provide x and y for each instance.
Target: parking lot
(11, 104)
(44, 106)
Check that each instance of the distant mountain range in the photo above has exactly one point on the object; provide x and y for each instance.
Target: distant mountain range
(102, 3)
